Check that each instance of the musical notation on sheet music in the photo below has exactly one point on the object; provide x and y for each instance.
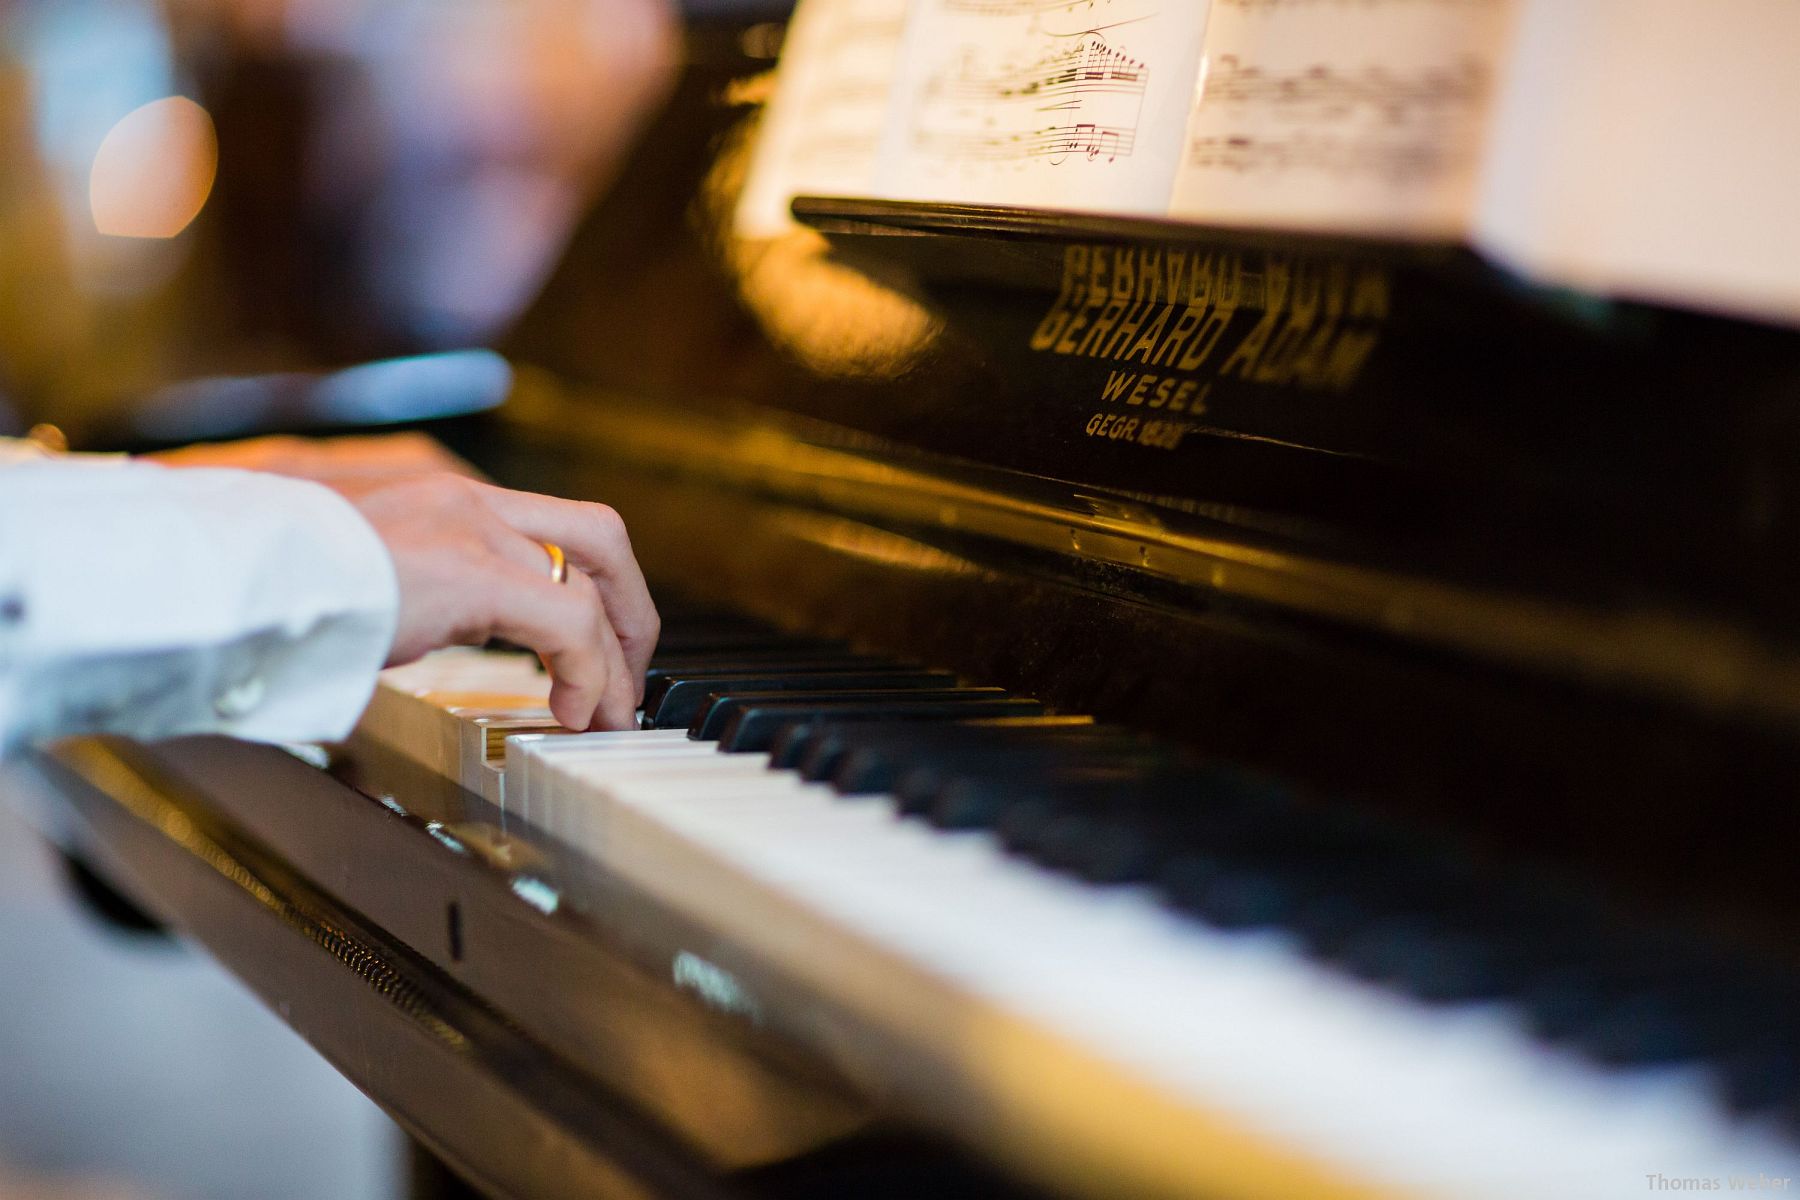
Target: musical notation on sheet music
(1087, 100)
(1090, 68)
(1326, 91)
(1352, 115)
(822, 129)
(1055, 143)
(1049, 103)
(1396, 163)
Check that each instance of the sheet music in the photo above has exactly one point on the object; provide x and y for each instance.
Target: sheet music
(1343, 115)
(822, 129)
(1072, 104)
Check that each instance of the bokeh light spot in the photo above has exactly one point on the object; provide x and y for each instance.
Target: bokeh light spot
(154, 170)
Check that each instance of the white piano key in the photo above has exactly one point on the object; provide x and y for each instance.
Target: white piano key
(526, 753)
(529, 756)
(574, 790)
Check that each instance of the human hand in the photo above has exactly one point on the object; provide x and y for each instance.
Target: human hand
(471, 565)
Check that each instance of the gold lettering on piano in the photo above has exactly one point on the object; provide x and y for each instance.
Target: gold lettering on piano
(1154, 432)
(1156, 391)
(1315, 322)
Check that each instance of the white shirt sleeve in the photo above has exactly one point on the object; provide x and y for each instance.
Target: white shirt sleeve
(149, 601)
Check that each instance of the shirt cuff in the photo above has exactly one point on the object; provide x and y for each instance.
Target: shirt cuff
(315, 686)
(153, 602)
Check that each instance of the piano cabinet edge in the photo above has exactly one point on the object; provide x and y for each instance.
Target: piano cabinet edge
(492, 1092)
(459, 1078)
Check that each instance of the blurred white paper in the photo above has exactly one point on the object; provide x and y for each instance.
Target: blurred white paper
(1650, 149)
(821, 131)
(1057, 104)
(1364, 117)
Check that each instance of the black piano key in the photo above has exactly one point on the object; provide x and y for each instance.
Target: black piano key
(677, 700)
(1230, 890)
(1003, 748)
(791, 744)
(1664, 1005)
(979, 800)
(1431, 926)
(1056, 836)
(1124, 785)
(664, 673)
(1487, 941)
(753, 725)
(817, 750)
(1431, 960)
(960, 803)
(1255, 856)
(1568, 1003)
(1134, 838)
(821, 750)
(1063, 798)
(1561, 1003)
(974, 770)
(872, 762)
(1427, 923)
(661, 680)
(1763, 1074)
(1232, 897)
(1020, 824)
(1333, 919)
(1118, 852)
(709, 721)
(1648, 1029)
(1704, 1009)
(658, 678)
(956, 800)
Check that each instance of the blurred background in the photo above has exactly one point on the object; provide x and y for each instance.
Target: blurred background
(208, 210)
(202, 193)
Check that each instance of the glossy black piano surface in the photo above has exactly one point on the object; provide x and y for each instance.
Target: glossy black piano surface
(1438, 622)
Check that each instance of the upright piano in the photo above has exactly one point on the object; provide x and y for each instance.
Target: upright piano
(1357, 761)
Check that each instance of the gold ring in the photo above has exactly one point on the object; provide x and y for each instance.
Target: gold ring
(559, 562)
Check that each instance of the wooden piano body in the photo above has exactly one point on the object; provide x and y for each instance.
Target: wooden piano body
(1504, 569)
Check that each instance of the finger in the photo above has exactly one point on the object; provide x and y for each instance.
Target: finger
(520, 549)
(595, 540)
(619, 694)
(567, 625)
(624, 690)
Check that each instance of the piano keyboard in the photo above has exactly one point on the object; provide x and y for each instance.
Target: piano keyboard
(1095, 949)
